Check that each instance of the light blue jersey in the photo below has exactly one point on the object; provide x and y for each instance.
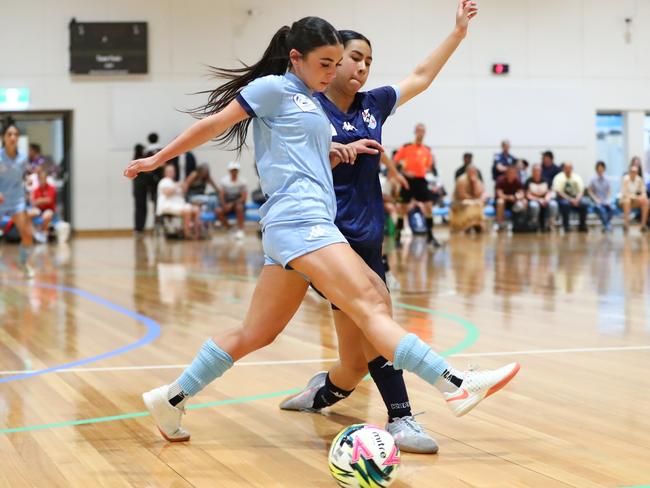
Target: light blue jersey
(292, 141)
(11, 183)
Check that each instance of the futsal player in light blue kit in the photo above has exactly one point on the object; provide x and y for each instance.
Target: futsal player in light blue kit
(13, 165)
(301, 242)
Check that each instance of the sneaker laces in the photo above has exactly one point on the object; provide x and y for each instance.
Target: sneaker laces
(411, 423)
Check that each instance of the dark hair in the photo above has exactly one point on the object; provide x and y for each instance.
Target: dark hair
(525, 163)
(6, 128)
(138, 151)
(152, 138)
(35, 147)
(468, 155)
(548, 154)
(304, 36)
(640, 166)
(601, 163)
(350, 35)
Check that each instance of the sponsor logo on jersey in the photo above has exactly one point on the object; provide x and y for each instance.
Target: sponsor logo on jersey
(349, 127)
(369, 119)
(304, 102)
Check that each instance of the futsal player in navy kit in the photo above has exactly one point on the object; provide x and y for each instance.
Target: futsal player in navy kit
(355, 115)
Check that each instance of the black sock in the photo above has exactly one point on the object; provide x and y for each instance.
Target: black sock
(429, 221)
(391, 386)
(398, 228)
(329, 394)
(451, 378)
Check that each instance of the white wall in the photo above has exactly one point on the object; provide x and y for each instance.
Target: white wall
(568, 60)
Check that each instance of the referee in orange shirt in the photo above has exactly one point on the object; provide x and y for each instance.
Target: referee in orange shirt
(416, 160)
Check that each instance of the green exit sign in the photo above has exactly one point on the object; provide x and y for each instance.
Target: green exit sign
(14, 98)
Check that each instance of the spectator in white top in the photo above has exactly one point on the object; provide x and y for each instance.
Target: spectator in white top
(233, 193)
(633, 195)
(171, 201)
(570, 191)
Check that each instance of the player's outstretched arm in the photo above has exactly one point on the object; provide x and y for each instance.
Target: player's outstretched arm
(427, 70)
(198, 133)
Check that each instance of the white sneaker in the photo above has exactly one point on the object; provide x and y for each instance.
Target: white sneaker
(166, 416)
(479, 385)
(40, 237)
(239, 235)
(410, 436)
(303, 401)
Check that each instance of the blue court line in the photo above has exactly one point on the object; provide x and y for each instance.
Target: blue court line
(153, 330)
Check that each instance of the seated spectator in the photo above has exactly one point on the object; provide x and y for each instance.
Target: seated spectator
(522, 167)
(467, 160)
(469, 201)
(510, 196)
(502, 161)
(570, 191)
(542, 206)
(232, 196)
(549, 168)
(171, 202)
(633, 195)
(195, 185)
(43, 200)
(600, 191)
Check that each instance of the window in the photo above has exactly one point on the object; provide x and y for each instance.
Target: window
(610, 146)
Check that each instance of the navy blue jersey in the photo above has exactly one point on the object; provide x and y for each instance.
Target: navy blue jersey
(359, 201)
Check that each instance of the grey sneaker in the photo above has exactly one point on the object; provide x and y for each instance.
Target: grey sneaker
(304, 400)
(410, 436)
(166, 416)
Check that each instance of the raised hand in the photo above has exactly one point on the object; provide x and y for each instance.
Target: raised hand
(467, 10)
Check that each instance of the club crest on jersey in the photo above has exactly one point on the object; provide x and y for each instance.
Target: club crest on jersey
(349, 127)
(304, 102)
(369, 119)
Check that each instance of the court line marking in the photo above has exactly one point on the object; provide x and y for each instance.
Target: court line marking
(472, 334)
(153, 331)
(332, 360)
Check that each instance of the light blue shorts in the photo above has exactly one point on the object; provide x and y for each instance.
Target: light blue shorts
(287, 241)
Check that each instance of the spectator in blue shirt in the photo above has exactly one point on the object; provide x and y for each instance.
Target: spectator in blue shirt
(502, 160)
(549, 168)
(600, 191)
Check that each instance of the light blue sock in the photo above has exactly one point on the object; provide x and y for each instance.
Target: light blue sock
(210, 363)
(25, 252)
(414, 355)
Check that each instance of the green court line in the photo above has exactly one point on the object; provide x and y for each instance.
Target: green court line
(472, 334)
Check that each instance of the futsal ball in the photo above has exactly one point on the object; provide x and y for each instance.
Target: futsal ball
(364, 456)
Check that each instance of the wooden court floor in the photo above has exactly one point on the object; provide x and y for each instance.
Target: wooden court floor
(574, 310)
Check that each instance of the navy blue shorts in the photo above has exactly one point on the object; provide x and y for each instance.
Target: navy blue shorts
(372, 257)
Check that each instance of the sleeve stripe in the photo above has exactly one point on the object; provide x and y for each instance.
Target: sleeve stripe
(245, 105)
(397, 97)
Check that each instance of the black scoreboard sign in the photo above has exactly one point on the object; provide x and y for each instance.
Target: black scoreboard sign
(108, 47)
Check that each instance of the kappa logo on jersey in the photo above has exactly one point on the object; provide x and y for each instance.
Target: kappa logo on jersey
(304, 102)
(349, 127)
(316, 232)
(369, 119)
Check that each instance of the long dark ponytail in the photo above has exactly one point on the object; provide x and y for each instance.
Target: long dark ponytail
(304, 35)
